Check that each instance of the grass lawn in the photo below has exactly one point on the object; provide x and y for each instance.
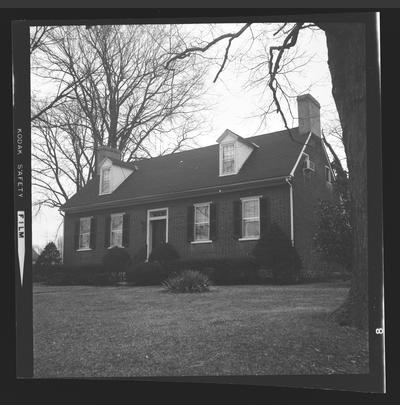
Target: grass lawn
(233, 330)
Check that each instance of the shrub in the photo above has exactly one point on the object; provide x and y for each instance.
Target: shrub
(89, 274)
(221, 271)
(140, 256)
(163, 253)
(189, 281)
(334, 235)
(50, 256)
(116, 260)
(275, 252)
(147, 274)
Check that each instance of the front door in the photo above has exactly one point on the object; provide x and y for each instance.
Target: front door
(158, 233)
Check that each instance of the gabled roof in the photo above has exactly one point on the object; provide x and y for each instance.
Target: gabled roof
(238, 137)
(117, 162)
(195, 169)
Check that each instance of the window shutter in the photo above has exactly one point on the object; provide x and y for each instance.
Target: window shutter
(125, 230)
(107, 234)
(237, 219)
(213, 221)
(265, 215)
(76, 234)
(93, 231)
(190, 223)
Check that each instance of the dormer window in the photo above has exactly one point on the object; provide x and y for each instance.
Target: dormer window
(105, 180)
(228, 158)
(233, 152)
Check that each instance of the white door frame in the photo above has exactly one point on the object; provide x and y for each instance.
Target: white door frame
(149, 219)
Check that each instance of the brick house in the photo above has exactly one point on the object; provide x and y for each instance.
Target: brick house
(213, 201)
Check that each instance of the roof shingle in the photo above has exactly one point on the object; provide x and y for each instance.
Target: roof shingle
(197, 168)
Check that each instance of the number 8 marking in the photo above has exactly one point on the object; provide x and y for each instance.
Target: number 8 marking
(379, 331)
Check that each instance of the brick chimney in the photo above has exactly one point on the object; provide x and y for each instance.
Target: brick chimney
(106, 151)
(309, 114)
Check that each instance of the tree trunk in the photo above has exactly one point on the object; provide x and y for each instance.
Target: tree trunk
(346, 59)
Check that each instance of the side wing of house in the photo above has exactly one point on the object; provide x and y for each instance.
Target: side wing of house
(312, 180)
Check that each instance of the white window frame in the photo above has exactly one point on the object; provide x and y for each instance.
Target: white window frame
(156, 218)
(117, 214)
(197, 205)
(80, 247)
(244, 200)
(103, 168)
(221, 163)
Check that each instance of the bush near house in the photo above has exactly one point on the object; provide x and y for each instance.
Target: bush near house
(189, 281)
(274, 251)
(117, 262)
(140, 255)
(220, 271)
(89, 274)
(42, 273)
(163, 254)
(150, 273)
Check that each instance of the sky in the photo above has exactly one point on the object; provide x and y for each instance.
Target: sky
(236, 106)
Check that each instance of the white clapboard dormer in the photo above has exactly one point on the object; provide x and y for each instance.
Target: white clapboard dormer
(233, 152)
(111, 169)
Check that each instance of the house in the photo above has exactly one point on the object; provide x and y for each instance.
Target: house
(214, 201)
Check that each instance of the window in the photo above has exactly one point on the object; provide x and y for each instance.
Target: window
(158, 213)
(116, 229)
(251, 217)
(202, 222)
(84, 233)
(228, 158)
(105, 180)
(328, 175)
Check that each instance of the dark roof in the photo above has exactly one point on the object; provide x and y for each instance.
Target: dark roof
(246, 141)
(196, 169)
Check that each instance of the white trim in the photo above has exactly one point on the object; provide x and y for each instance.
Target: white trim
(251, 198)
(196, 242)
(113, 215)
(288, 180)
(221, 162)
(80, 233)
(300, 155)
(148, 227)
(202, 203)
(102, 168)
(83, 249)
(118, 246)
(205, 204)
(245, 199)
(327, 159)
(252, 238)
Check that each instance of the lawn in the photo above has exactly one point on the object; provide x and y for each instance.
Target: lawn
(125, 331)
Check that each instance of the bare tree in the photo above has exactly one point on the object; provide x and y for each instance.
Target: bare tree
(62, 154)
(115, 92)
(346, 61)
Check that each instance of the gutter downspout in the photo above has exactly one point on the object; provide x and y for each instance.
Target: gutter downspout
(289, 181)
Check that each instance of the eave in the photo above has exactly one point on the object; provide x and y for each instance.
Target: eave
(226, 188)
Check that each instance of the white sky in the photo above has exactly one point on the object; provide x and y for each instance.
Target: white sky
(236, 107)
